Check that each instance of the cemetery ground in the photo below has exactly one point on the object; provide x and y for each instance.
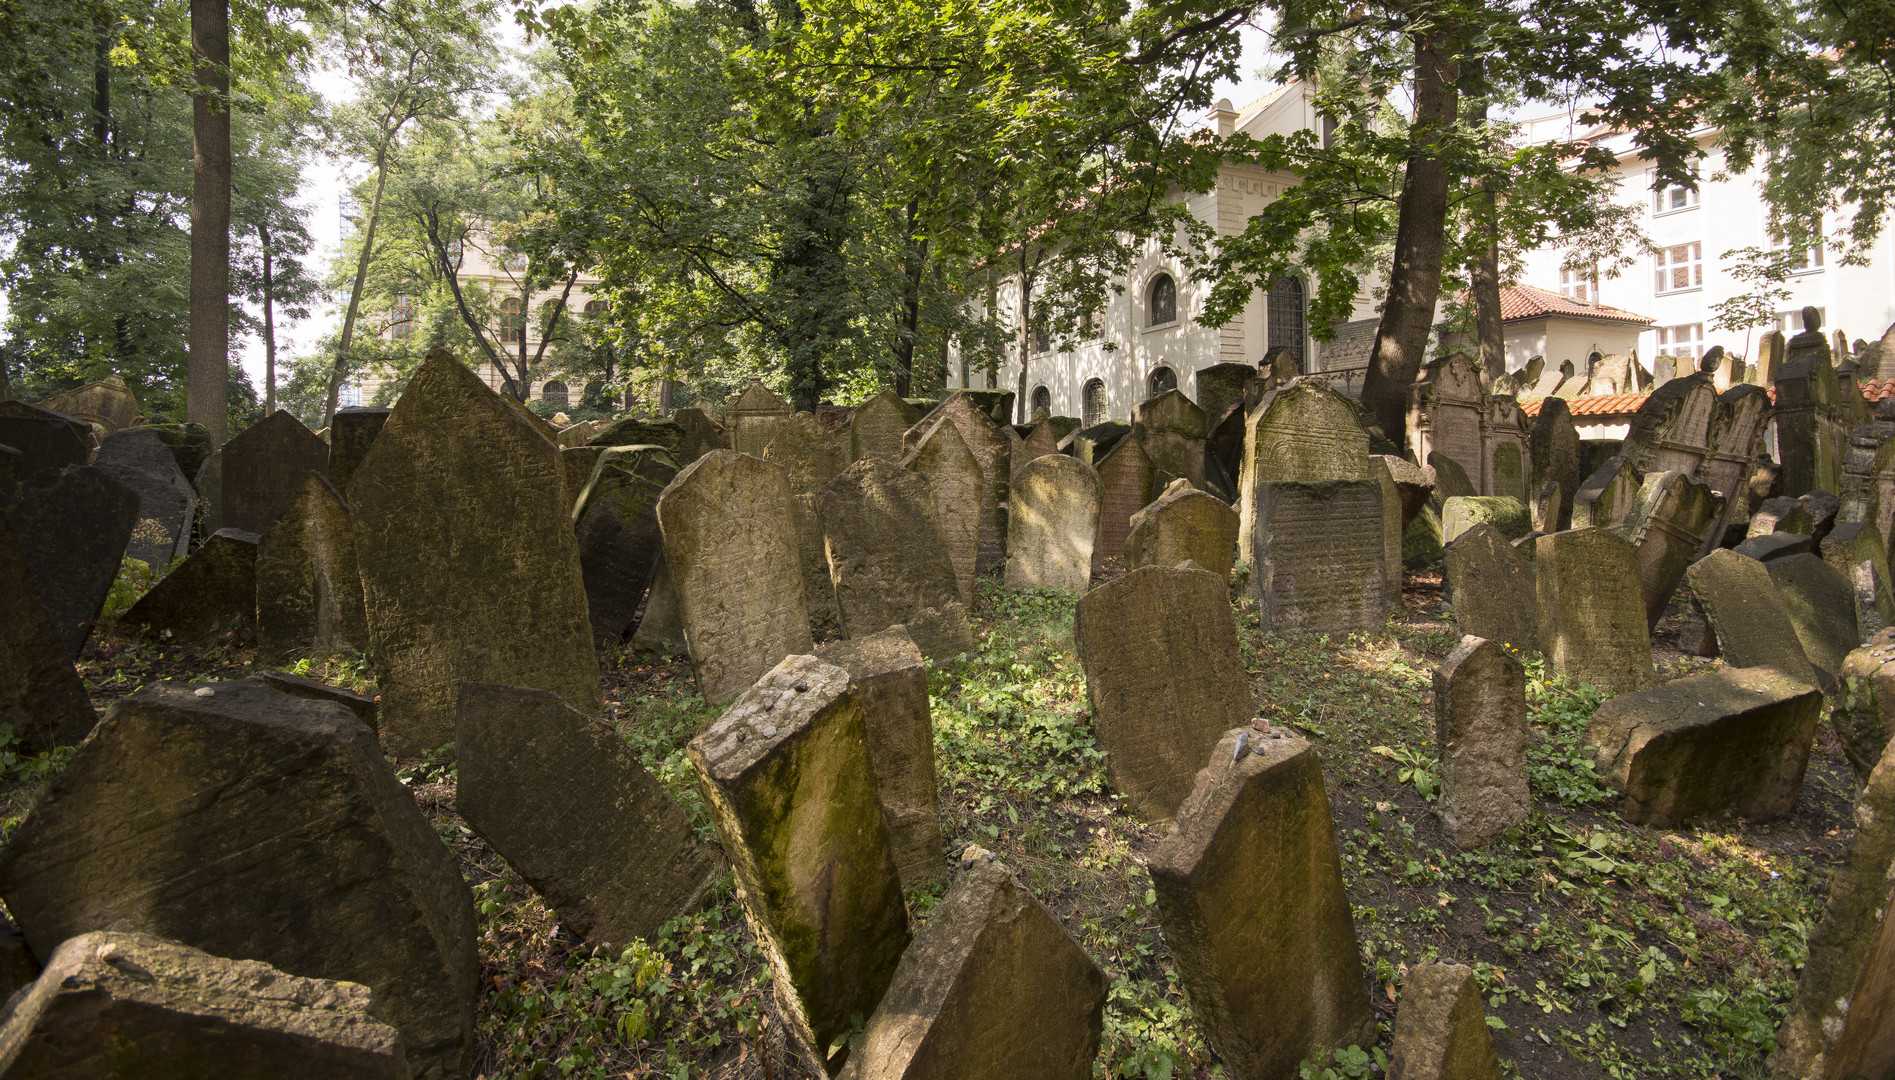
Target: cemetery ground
(1603, 948)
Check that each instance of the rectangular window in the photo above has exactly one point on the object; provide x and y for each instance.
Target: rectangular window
(1791, 322)
(1809, 260)
(402, 325)
(1042, 339)
(1672, 198)
(1581, 284)
(1683, 341)
(1679, 267)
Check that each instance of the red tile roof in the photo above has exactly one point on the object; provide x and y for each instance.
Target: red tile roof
(1529, 302)
(1876, 389)
(1609, 405)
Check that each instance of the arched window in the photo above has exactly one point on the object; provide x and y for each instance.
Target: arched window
(1161, 380)
(512, 319)
(1161, 301)
(1284, 307)
(594, 308)
(555, 393)
(1094, 398)
(1042, 401)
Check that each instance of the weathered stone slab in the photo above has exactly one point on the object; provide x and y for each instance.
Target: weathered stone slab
(876, 427)
(786, 772)
(71, 527)
(1164, 679)
(351, 432)
(1444, 415)
(1182, 524)
(1301, 433)
(1747, 615)
(1821, 605)
(1174, 430)
(564, 800)
(942, 456)
(1462, 512)
(1506, 445)
(1414, 483)
(365, 708)
(1251, 898)
(661, 625)
(1127, 479)
(1667, 525)
(615, 519)
(1092, 444)
(1856, 549)
(114, 1004)
(1772, 546)
(469, 564)
(809, 455)
(46, 439)
(575, 469)
(752, 418)
(263, 468)
(891, 681)
(215, 587)
(41, 695)
(1480, 723)
(1220, 387)
(1052, 524)
(1450, 480)
(1041, 440)
(107, 402)
(702, 434)
(1421, 540)
(1543, 508)
(1812, 430)
(1730, 741)
(1607, 497)
(324, 866)
(1441, 1030)
(888, 560)
(139, 459)
(1490, 584)
(985, 441)
(1319, 563)
(992, 988)
(641, 431)
(1391, 530)
(308, 587)
(819, 588)
(1591, 616)
(1555, 453)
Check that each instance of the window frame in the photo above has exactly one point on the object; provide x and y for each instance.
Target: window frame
(1586, 280)
(1088, 416)
(1813, 256)
(1152, 322)
(1694, 345)
(1694, 198)
(512, 320)
(1666, 271)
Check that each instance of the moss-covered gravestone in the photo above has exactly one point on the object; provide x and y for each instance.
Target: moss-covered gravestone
(985, 441)
(262, 469)
(351, 432)
(786, 773)
(1591, 617)
(1320, 565)
(1303, 433)
(1607, 497)
(1745, 612)
(71, 526)
(888, 560)
(469, 565)
(139, 459)
(564, 800)
(1163, 676)
(1821, 606)
(1864, 716)
(1127, 478)
(1490, 584)
(1505, 513)
(1667, 525)
(1052, 524)
(993, 988)
(1856, 549)
(216, 588)
(1441, 1030)
(1555, 454)
(615, 517)
(877, 425)
(1251, 899)
(943, 457)
(1480, 723)
(42, 697)
(114, 1004)
(309, 592)
(255, 825)
(1183, 524)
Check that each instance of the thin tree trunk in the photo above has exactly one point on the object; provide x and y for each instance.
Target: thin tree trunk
(916, 258)
(526, 318)
(207, 392)
(361, 279)
(269, 323)
(1026, 313)
(1414, 283)
(1484, 274)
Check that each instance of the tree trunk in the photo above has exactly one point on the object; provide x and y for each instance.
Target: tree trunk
(915, 258)
(361, 279)
(1484, 274)
(207, 391)
(1026, 342)
(1414, 283)
(269, 323)
(524, 388)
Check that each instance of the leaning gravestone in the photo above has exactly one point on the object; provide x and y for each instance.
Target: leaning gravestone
(1052, 524)
(1319, 562)
(819, 589)
(1821, 605)
(1126, 479)
(1490, 584)
(877, 425)
(325, 867)
(1555, 453)
(1591, 616)
(661, 624)
(811, 456)
(1441, 1030)
(71, 527)
(786, 772)
(1607, 497)
(469, 564)
(115, 1004)
(1744, 610)
(992, 988)
(1480, 723)
(1183, 524)
(951, 468)
(575, 468)
(47, 439)
(263, 469)
(888, 561)
(1163, 676)
(1667, 525)
(107, 402)
(1251, 898)
(1450, 480)
(351, 432)
(984, 439)
(365, 708)
(215, 587)
(308, 588)
(139, 459)
(730, 544)
(1174, 431)
(615, 519)
(1772, 546)
(42, 697)
(564, 800)
(1855, 548)
(1730, 741)
(890, 679)
(641, 431)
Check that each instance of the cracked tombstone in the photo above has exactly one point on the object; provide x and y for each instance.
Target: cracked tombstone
(1591, 616)
(1052, 524)
(1480, 723)
(888, 563)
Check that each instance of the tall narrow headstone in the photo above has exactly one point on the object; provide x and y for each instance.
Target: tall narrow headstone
(1812, 436)
(1319, 564)
(71, 527)
(351, 432)
(41, 695)
(139, 459)
(819, 588)
(1506, 447)
(216, 587)
(1126, 480)
(1555, 453)
(955, 474)
(309, 588)
(1591, 615)
(888, 561)
(1392, 527)
(661, 624)
(1052, 524)
(1480, 724)
(262, 470)
(983, 438)
(1747, 616)
(615, 519)
(1444, 414)
(1667, 525)
(1184, 523)
(1490, 584)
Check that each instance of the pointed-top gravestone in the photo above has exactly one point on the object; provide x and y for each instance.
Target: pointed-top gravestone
(1441, 1031)
(616, 518)
(888, 560)
(351, 432)
(309, 590)
(71, 527)
(1185, 523)
(469, 566)
(1039, 442)
(942, 456)
(263, 469)
(1127, 478)
(983, 438)
(1174, 430)
(876, 428)
(139, 459)
(702, 434)
(214, 589)
(41, 696)
(1556, 456)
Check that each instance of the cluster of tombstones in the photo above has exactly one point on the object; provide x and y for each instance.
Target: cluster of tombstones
(202, 832)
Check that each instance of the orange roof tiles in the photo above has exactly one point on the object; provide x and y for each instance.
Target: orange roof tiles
(1875, 390)
(1532, 302)
(1609, 405)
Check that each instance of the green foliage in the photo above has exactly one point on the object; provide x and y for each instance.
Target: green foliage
(1347, 1063)
(1415, 768)
(16, 767)
(1559, 762)
(135, 579)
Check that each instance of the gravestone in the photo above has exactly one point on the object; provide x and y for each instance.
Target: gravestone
(786, 773)
(215, 587)
(1445, 412)
(942, 456)
(1182, 524)
(351, 432)
(1174, 431)
(1674, 428)
(1480, 724)
(876, 428)
(1092, 444)
(819, 588)
(1462, 512)
(992, 988)
(1039, 442)
(1736, 443)
(1667, 526)
(1864, 712)
(1052, 524)
(1855, 548)
(1730, 741)
(1812, 434)
(1251, 898)
(46, 439)
(731, 545)
(325, 867)
(1441, 1030)
(1591, 616)
(262, 470)
(1781, 514)
(1555, 454)
(753, 417)
(1412, 483)
(1780, 545)
(1126, 481)
(41, 695)
(139, 459)
(1543, 507)
(71, 527)
(661, 625)
(1220, 387)
(1490, 584)
(891, 681)
(1164, 679)
(887, 558)
(1664, 369)
(1302, 433)
(985, 441)
(615, 521)
(459, 489)
(308, 586)
(1821, 605)
(119, 1004)
(1506, 445)
(641, 431)
(107, 402)
(575, 470)
(1391, 529)
(1450, 480)
(1747, 615)
(365, 708)
(702, 434)
(1607, 497)
(1319, 564)
(810, 456)
(564, 800)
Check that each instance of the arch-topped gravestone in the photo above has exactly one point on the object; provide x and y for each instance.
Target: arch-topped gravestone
(1445, 413)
